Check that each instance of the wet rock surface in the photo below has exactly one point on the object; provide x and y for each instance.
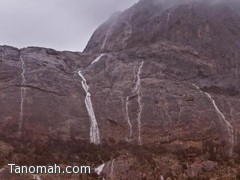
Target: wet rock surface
(164, 92)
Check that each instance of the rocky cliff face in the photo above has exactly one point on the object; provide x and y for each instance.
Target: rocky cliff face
(154, 95)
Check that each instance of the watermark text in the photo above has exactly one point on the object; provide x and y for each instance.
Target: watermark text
(51, 169)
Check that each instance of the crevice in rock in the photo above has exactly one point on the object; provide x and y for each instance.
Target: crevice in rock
(7, 87)
(231, 90)
(61, 67)
(40, 89)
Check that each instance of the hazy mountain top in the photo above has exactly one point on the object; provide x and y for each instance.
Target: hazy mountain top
(191, 22)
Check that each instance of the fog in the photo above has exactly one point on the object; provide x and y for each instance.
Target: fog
(62, 24)
(58, 24)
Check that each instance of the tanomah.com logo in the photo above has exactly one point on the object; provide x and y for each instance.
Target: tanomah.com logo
(52, 169)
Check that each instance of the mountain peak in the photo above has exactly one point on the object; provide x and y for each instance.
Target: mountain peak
(195, 23)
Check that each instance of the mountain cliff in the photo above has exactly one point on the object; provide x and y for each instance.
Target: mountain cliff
(154, 95)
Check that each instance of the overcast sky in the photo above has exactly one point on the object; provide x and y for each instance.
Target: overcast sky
(57, 24)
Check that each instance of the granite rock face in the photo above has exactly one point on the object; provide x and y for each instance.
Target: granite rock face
(154, 95)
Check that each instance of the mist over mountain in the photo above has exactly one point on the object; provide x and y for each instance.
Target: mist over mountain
(154, 95)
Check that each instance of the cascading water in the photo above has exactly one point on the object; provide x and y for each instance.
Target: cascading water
(99, 169)
(168, 17)
(94, 132)
(112, 168)
(224, 124)
(97, 59)
(127, 118)
(23, 94)
(107, 36)
(137, 90)
(129, 26)
(236, 68)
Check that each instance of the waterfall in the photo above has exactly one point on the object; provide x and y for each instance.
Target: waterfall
(129, 23)
(107, 36)
(236, 68)
(99, 169)
(137, 90)
(97, 59)
(23, 93)
(226, 125)
(169, 15)
(129, 33)
(94, 132)
(127, 118)
(112, 168)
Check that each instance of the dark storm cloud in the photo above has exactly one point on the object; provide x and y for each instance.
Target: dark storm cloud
(59, 24)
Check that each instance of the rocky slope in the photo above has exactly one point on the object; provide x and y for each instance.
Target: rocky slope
(154, 95)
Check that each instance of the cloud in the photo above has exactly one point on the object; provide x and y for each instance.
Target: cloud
(58, 24)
